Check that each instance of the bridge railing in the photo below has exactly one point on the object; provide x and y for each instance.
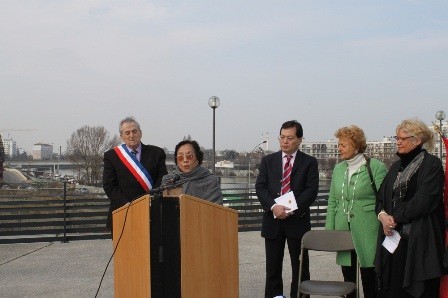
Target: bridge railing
(48, 215)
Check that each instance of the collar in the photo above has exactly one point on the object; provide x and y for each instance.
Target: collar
(356, 161)
(293, 155)
(139, 148)
(406, 158)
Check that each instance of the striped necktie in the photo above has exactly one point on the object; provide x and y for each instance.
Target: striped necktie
(286, 187)
(134, 153)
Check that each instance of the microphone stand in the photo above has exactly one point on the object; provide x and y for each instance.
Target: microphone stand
(158, 197)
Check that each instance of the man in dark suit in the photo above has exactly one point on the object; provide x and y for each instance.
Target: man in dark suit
(123, 164)
(281, 172)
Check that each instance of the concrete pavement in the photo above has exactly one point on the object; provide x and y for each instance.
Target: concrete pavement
(75, 269)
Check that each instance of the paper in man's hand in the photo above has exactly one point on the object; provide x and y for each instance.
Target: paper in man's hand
(287, 200)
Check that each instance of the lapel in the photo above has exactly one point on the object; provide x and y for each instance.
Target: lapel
(298, 161)
(144, 155)
(278, 164)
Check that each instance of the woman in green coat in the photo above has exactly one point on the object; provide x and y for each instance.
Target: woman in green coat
(351, 205)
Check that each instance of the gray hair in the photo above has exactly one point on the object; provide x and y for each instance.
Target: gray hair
(128, 119)
(419, 130)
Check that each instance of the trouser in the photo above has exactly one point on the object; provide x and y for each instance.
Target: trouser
(274, 265)
(368, 277)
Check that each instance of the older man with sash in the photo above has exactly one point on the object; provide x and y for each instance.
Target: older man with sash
(131, 169)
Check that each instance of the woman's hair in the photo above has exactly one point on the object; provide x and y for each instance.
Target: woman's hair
(355, 135)
(416, 128)
(197, 150)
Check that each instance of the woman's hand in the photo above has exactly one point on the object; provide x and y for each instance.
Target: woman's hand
(388, 223)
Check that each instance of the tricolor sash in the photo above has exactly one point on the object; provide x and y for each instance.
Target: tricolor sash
(135, 167)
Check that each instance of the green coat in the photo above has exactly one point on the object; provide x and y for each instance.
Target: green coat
(364, 223)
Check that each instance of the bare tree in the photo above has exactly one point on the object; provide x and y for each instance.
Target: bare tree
(86, 147)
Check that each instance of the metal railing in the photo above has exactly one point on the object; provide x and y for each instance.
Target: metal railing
(48, 215)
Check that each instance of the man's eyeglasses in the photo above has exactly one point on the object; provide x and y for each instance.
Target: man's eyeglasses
(284, 139)
(181, 157)
(397, 138)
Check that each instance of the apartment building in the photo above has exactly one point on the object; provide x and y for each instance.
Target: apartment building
(42, 151)
(10, 147)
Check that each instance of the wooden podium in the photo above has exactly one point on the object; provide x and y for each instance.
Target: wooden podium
(175, 246)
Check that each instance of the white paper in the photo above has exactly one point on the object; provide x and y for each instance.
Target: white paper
(391, 242)
(287, 200)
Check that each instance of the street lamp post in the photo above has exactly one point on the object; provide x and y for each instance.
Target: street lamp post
(213, 102)
(250, 155)
(440, 115)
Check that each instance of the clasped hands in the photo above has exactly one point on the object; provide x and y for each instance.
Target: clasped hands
(280, 211)
(388, 224)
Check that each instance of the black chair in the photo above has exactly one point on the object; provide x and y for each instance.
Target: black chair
(330, 241)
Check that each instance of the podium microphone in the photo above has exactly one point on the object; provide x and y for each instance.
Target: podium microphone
(171, 183)
(174, 179)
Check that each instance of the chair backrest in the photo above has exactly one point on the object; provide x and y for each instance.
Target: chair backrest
(323, 240)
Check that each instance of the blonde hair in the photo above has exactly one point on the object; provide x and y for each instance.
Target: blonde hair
(419, 130)
(355, 135)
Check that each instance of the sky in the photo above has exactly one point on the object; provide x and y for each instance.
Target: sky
(325, 63)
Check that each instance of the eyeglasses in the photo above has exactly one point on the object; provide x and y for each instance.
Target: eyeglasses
(181, 157)
(284, 138)
(397, 138)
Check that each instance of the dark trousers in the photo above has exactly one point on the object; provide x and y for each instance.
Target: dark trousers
(275, 249)
(368, 277)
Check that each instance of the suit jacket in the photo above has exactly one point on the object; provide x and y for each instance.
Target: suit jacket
(121, 186)
(304, 185)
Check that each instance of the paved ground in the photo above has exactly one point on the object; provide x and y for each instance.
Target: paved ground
(75, 269)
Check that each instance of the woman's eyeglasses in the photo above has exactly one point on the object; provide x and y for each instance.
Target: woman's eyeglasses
(397, 138)
(181, 157)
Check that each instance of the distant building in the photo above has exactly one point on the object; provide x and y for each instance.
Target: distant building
(224, 164)
(320, 150)
(10, 147)
(383, 149)
(42, 151)
(436, 151)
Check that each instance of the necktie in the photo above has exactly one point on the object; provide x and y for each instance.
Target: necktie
(286, 187)
(134, 152)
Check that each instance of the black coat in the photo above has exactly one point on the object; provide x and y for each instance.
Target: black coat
(425, 212)
(121, 186)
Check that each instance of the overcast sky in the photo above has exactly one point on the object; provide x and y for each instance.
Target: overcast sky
(327, 64)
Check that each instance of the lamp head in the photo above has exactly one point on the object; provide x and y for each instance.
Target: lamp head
(213, 102)
(440, 115)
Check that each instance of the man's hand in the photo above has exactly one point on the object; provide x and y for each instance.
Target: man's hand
(280, 211)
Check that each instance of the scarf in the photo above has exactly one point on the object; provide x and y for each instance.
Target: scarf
(199, 183)
(411, 166)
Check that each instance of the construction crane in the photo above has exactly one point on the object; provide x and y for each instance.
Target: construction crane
(8, 130)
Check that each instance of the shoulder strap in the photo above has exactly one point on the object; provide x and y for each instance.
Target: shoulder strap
(369, 169)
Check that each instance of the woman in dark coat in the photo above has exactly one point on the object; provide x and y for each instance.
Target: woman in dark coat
(410, 203)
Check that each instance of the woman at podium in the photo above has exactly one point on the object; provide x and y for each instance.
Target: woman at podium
(195, 180)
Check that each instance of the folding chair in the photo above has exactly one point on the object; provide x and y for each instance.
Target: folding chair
(331, 241)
